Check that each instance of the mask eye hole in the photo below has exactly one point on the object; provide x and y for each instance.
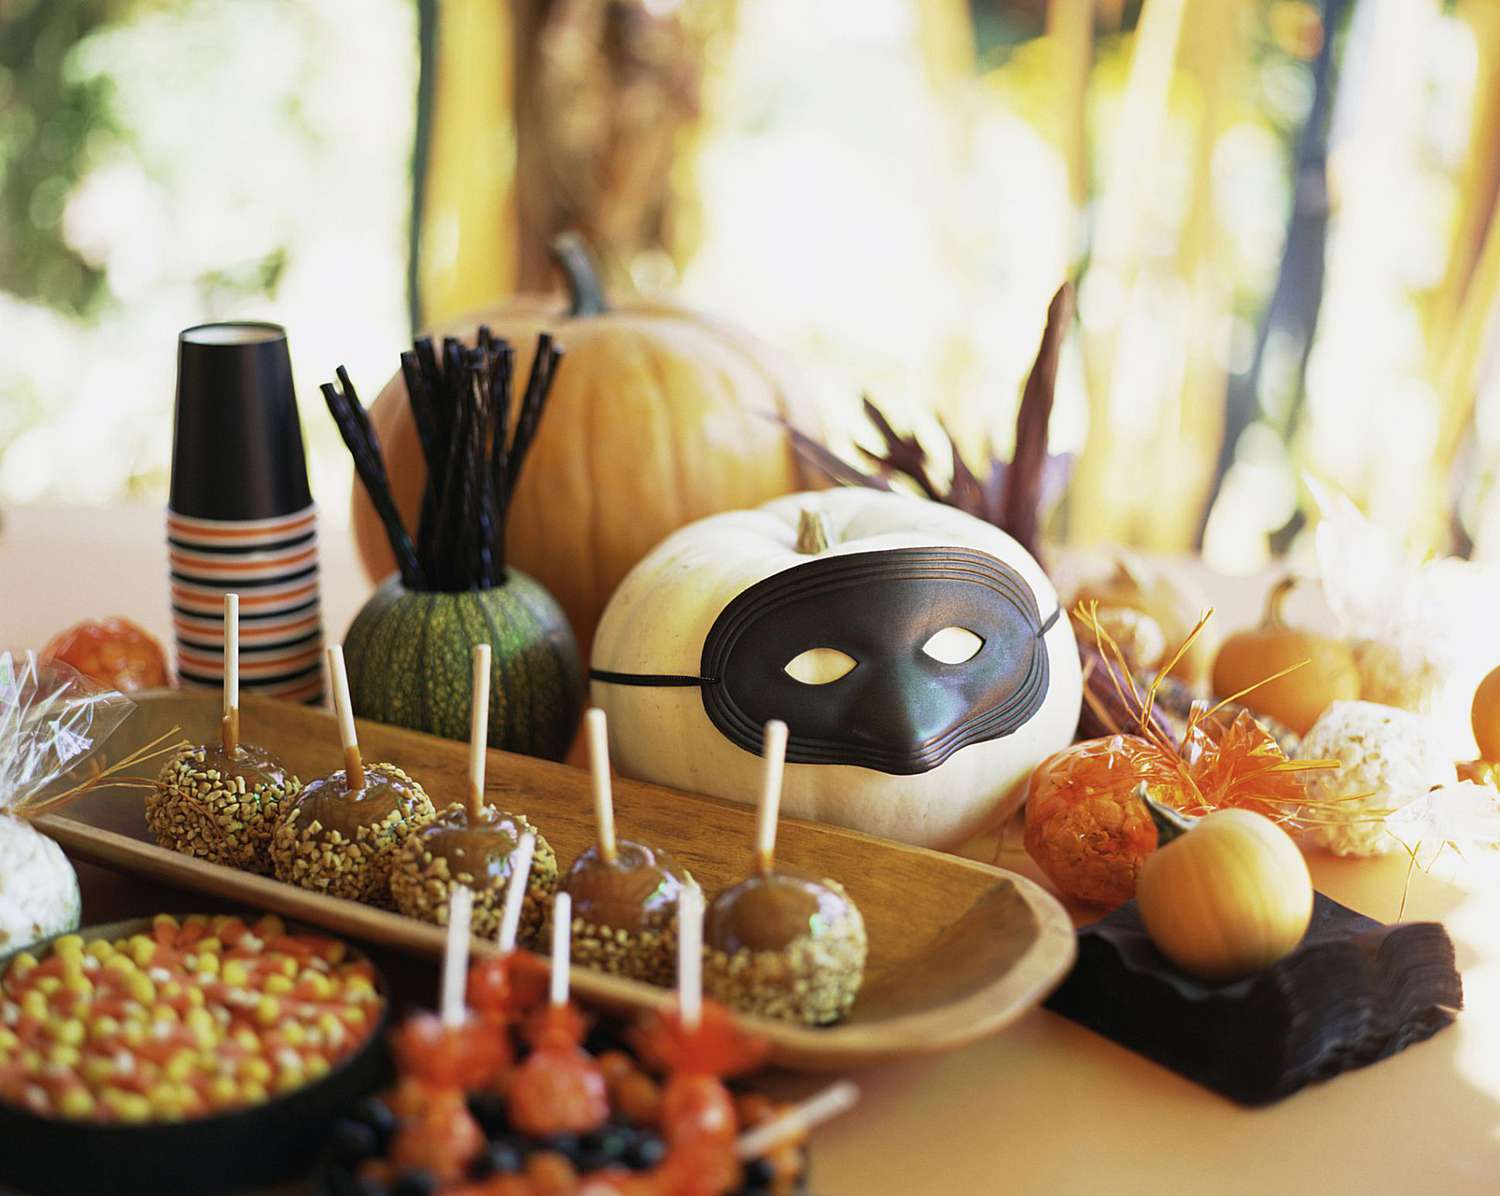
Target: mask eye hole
(819, 666)
(953, 645)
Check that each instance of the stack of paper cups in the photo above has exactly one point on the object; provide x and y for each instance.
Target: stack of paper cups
(241, 517)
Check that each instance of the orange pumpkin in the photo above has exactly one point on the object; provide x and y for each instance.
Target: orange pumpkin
(1485, 715)
(1299, 698)
(658, 417)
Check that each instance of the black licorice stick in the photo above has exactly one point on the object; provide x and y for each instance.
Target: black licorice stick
(445, 530)
(371, 471)
(498, 473)
(419, 396)
(467, 530)
(538, 385)
(484, 515)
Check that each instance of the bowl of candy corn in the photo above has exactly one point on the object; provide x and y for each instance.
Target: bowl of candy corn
(205, 1054)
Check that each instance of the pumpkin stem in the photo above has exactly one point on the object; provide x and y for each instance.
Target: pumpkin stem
(1170, 823)
(812, 532)
(580, 270)
(1276, 600)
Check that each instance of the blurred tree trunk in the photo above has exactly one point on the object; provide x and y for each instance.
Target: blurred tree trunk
(1154, 356)
(1464, 311)
(606, 97)
(1070, 26)
(543, 115)
(464, 210)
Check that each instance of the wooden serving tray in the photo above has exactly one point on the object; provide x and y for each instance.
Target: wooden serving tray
(958, 949)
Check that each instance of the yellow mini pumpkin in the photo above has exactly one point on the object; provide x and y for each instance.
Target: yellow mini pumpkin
(1299, 698)
(658, 416)
(1225, 895)
(916, 653)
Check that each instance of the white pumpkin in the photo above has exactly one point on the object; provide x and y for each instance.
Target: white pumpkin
(658, 621)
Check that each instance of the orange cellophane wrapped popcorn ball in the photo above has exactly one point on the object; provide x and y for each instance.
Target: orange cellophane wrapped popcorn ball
(1086, 827)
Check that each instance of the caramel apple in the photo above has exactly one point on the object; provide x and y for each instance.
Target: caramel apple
(221, 801)
(340, 835)
(624, 894)
(474, 845)
(781, 943)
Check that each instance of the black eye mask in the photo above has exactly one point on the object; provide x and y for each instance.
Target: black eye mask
(897, 708)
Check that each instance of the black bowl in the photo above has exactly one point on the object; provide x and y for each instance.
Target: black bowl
(248, 1148)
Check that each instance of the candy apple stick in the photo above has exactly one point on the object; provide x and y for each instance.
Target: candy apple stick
(354, 769)
(773, 753)
(796, 1121)
(479, 730)
(562, 945)
(456, 955)
(515, 891)
(690, 956)
(229, 724)
(604, 802)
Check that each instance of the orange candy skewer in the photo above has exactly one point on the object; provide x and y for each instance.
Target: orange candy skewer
(699, 1044)
(559, 1088)
(506, 986)
(441, 1058)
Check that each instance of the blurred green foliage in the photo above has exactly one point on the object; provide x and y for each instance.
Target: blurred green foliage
(51, 126)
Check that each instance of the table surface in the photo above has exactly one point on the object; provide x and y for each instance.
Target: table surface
(1044, 1107)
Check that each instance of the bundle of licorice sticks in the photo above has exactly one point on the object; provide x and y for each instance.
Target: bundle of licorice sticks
(474, 451)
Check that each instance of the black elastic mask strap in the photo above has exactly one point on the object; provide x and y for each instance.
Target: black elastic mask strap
(683, 681)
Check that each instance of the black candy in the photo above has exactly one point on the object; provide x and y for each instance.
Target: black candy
(757, 1175)
(488, 1110)
(647, 1150)
(501, 1157)
(1355, 992)
(376, 1114)
(414, 1183)
(352, 1142)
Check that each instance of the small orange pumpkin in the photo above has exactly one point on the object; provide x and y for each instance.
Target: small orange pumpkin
(1297, 699)
(1485, 716)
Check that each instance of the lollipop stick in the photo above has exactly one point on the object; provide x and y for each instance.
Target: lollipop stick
(774, 755)
(604, 802)
(479, 730)
(515, 891)
(229, 725)
(456, 955)
(562, 945)
(690, 956)
(796, 1121)
(354, 769)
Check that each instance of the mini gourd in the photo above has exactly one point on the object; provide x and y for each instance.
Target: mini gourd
(1225, 895)
(1327, 671)
(409, 648)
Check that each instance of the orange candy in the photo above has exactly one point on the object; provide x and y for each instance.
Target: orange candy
(1085, 827)
(114, 652)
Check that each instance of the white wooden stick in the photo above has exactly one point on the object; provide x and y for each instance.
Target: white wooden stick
(456, 955)
(690, 955)
(773, 755)
(479, 729)
(515, 891)
(354, 769)
(231, 652)
(562, 944)
(604, 802)
(798, 1120)
(229, 731)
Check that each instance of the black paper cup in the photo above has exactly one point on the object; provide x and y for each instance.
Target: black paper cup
(237, 444)
(241, 517)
